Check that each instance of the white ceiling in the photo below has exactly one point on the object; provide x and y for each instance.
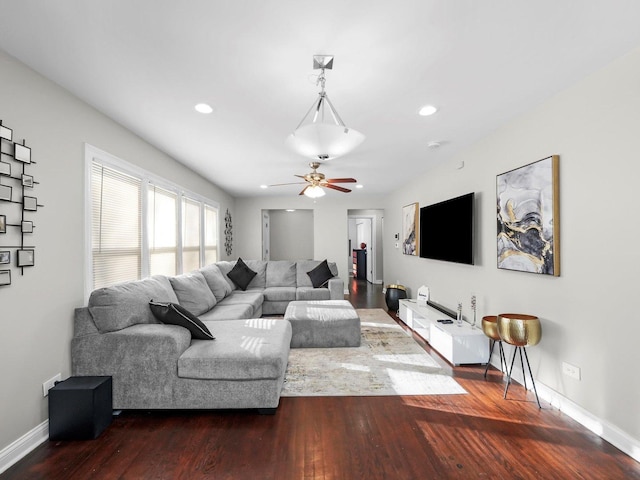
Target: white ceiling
(146, 63)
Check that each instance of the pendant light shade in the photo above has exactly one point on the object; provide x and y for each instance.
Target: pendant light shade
(323, 141)
(321, 134)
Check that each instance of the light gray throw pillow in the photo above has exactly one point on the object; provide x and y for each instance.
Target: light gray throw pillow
(193, 292)
(216, 281)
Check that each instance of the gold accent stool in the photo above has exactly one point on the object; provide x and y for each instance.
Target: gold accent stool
(490, 329)
(521, 331)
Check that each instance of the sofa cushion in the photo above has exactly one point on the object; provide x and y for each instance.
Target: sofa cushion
(193, 292)
(228, 312)
(241, 275)
(279, 294)
(320, 275)
(216, 281)
(225, 267)
(174, 314)
(260, 267)
(281, 273)
(248, 297)
(312, 293)
(244, 350)
(125, 304)
(305, 266)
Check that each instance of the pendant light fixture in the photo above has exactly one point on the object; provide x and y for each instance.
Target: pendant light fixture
(321, 134)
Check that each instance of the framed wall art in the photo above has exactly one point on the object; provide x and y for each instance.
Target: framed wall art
(5, 256)
(22, 153)
(5, 277)
(27, 227)
(26, 258)
(528, 218)
(6, 133)
(5, 193)
(30, 203)
(3, 224)
(410, 229)
(5, 168)
(27, 181)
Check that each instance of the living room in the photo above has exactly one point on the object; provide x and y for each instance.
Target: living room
(588, 312)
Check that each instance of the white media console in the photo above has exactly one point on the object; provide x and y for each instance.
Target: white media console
(459, 345)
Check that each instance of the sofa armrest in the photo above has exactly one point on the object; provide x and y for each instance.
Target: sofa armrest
(142, 359)
(336, 288)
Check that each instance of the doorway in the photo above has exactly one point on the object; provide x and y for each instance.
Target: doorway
(287, 234)
(365, 227)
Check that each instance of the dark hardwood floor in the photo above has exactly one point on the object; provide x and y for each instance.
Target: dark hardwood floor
(479, 435)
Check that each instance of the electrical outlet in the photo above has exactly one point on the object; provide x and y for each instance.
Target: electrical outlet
(50, 384)
(571, 370)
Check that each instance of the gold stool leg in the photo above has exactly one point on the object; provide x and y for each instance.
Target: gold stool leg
(524, 374)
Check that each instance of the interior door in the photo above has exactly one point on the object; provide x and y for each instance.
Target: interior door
(364, 226)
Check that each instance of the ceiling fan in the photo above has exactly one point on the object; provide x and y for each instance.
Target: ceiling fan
(315, 180)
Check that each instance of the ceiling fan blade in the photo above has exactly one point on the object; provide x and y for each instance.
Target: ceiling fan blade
(340, 180)
(336, 187)
(280, 184)
(300, 176)
(304, 190)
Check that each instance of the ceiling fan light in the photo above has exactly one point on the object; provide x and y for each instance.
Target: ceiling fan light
(314, 191)
(323, 140)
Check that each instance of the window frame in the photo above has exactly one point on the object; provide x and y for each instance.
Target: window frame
(146, 179)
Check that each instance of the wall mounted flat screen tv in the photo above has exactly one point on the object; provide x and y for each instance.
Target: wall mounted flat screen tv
(446, 230)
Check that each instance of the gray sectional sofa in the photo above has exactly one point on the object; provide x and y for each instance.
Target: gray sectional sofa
(159, 366)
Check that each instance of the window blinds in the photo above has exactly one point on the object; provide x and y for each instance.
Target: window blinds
(190, 234)
(162, 221)
(116, 230)
(210, 234)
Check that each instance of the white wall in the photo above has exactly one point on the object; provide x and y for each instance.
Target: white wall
(291, 234)
(331, 240)
(590, 314)
(36, 311)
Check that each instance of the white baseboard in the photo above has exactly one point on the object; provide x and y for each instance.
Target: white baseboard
(12, 453)
(612, 434)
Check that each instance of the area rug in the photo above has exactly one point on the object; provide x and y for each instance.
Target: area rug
(388, 362)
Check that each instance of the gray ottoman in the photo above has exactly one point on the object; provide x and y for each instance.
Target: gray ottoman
(323, 323)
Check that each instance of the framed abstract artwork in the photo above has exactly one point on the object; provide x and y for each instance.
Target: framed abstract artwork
(410, 229)
(528, 218)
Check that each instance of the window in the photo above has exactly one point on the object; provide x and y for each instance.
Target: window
(162, 218)
(190, 234)
(210, 234)
(141, 225)
(115, 230)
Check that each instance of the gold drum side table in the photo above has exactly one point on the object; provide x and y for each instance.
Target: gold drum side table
(521, 331)
(490, 329)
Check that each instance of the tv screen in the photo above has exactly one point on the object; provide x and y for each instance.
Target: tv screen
(446, 230)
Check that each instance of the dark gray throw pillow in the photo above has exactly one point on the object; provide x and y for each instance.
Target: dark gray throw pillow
(320, 275)
(174, 314)
(241, 275)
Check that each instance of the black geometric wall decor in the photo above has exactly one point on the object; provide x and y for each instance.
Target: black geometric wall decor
(16, 208)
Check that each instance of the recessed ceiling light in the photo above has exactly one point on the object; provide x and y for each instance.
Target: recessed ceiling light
(359, 186)
(264, 186)
(290, 210)
(427, 110)
(203, 108)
